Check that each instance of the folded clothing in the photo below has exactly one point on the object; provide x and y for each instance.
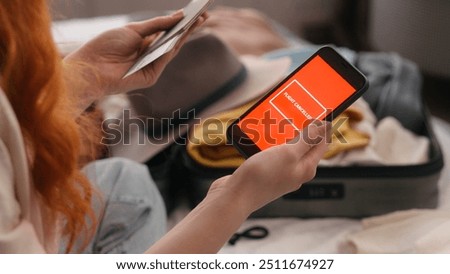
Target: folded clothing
(208, 141)
(345, 137)
(413, 231)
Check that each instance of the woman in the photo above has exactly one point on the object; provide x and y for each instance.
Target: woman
(45, 199)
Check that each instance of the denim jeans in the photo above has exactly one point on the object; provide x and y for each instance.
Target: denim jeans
(131, 213)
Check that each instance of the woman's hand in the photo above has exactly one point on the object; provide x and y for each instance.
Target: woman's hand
(275, 172)
(261, 179)
(100, 64)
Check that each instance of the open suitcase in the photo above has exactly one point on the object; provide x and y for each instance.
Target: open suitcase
(355, 191)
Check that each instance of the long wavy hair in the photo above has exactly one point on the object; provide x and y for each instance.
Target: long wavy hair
(32, 78)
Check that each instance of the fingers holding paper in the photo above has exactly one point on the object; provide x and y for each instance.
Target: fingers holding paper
(101, 63)
(153, 61)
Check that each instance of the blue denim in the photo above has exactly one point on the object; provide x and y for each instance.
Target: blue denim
(131, 213)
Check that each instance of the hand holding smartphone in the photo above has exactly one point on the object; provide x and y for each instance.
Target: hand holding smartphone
(320, 89)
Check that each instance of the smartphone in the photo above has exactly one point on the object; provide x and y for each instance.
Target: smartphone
(319, 89)
(168, 39)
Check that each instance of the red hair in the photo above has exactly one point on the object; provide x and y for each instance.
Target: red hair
(32, 78)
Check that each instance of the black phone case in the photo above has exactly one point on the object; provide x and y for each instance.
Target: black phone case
(348, 102)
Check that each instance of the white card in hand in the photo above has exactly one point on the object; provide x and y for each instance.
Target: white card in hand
(166, 41)
(150, 56)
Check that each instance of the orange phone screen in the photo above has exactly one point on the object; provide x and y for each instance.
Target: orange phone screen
(312, 93)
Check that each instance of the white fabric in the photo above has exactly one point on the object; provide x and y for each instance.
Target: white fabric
(414, 231)
(390, 143)
(21, 227)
